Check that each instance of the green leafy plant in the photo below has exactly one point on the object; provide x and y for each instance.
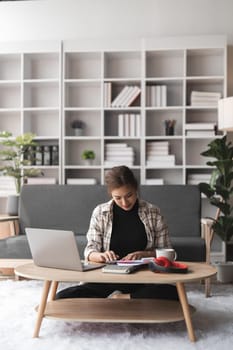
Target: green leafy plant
(88, 154)
(13, 152)
(220, 188)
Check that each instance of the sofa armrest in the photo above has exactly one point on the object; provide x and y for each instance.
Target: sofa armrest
(13, 223)
(207, 234)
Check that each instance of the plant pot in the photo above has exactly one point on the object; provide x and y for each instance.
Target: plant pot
(88, 161)
(78, 132)
(12, 205)
(224, 271)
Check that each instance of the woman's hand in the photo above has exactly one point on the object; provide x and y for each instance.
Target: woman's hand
(139, 255)
(109, 255)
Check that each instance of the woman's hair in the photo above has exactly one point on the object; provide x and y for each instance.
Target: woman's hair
(120, 176)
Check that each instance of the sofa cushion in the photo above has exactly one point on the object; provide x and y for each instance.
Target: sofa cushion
(180, 206)
(59, 206)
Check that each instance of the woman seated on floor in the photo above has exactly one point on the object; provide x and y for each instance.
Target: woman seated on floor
(126, 227)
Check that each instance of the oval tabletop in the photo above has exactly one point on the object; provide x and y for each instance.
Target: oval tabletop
(196, 271)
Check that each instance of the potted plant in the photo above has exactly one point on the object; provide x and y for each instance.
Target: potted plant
(219, 192)
(88, 156)
(78, 126)
(13, 152)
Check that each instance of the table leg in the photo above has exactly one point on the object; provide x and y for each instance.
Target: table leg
(53, 290)
(185, 307)
(41, 309)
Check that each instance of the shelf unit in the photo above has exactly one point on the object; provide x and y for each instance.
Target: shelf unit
(182, 66)
(30, 93)
(44, 86)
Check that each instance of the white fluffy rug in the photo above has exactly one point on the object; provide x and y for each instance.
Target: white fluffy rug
(213, 324)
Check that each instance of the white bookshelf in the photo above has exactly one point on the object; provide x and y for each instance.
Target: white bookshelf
(44, 86)
(30, 94)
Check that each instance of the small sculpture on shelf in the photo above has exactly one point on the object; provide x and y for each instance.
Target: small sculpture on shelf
(88, 156)
(78, 127)
(170, 127)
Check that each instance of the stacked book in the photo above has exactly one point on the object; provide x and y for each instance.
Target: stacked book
(155, 181)
(7, 186)
(202, 98)
(118, 154)
(126, 96)
(156, 95)
(129, 124)
(157, 154)
(41, 180)
(195, 179)
(200, 129)
(81, 181)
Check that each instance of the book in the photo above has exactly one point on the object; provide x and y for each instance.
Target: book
(155, 95)
(200, 126)
(109, 163)
(124, 267)
(158, 164)
(154, 181)
(138, 125)
(81, 181)
(115, 102)
(163, 96)
(107, 94)
(128, 151)
(157, 152)
(121, 125)
(204, 98)
(198, 133)
(124, 97)
(161, 158)
(116, 144)
(41, 180)
(206, 94)
(132, 125)
(134, 93)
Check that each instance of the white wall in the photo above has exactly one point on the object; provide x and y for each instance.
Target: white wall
(62, 19)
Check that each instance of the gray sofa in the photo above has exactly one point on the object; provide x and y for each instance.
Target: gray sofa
(70, 207)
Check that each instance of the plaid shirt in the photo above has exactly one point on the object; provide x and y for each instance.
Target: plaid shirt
(100, 229)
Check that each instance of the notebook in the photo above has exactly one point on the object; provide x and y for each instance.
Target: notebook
(56, 249)
(125, 267)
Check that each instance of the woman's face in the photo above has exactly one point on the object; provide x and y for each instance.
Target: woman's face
(125, 196)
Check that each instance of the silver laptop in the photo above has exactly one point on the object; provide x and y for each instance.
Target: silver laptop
(56, 249)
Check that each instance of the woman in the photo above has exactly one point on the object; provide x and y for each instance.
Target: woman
(126, 227)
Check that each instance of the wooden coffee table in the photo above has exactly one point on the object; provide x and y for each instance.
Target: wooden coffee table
(115, 310)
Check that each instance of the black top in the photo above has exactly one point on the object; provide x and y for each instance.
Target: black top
(128, 231)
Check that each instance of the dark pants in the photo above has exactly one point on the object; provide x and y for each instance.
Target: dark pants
(102, 290)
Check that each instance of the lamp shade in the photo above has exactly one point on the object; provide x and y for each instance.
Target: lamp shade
(225, 114)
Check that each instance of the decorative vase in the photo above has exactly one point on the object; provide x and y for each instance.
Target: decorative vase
(12, 205)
